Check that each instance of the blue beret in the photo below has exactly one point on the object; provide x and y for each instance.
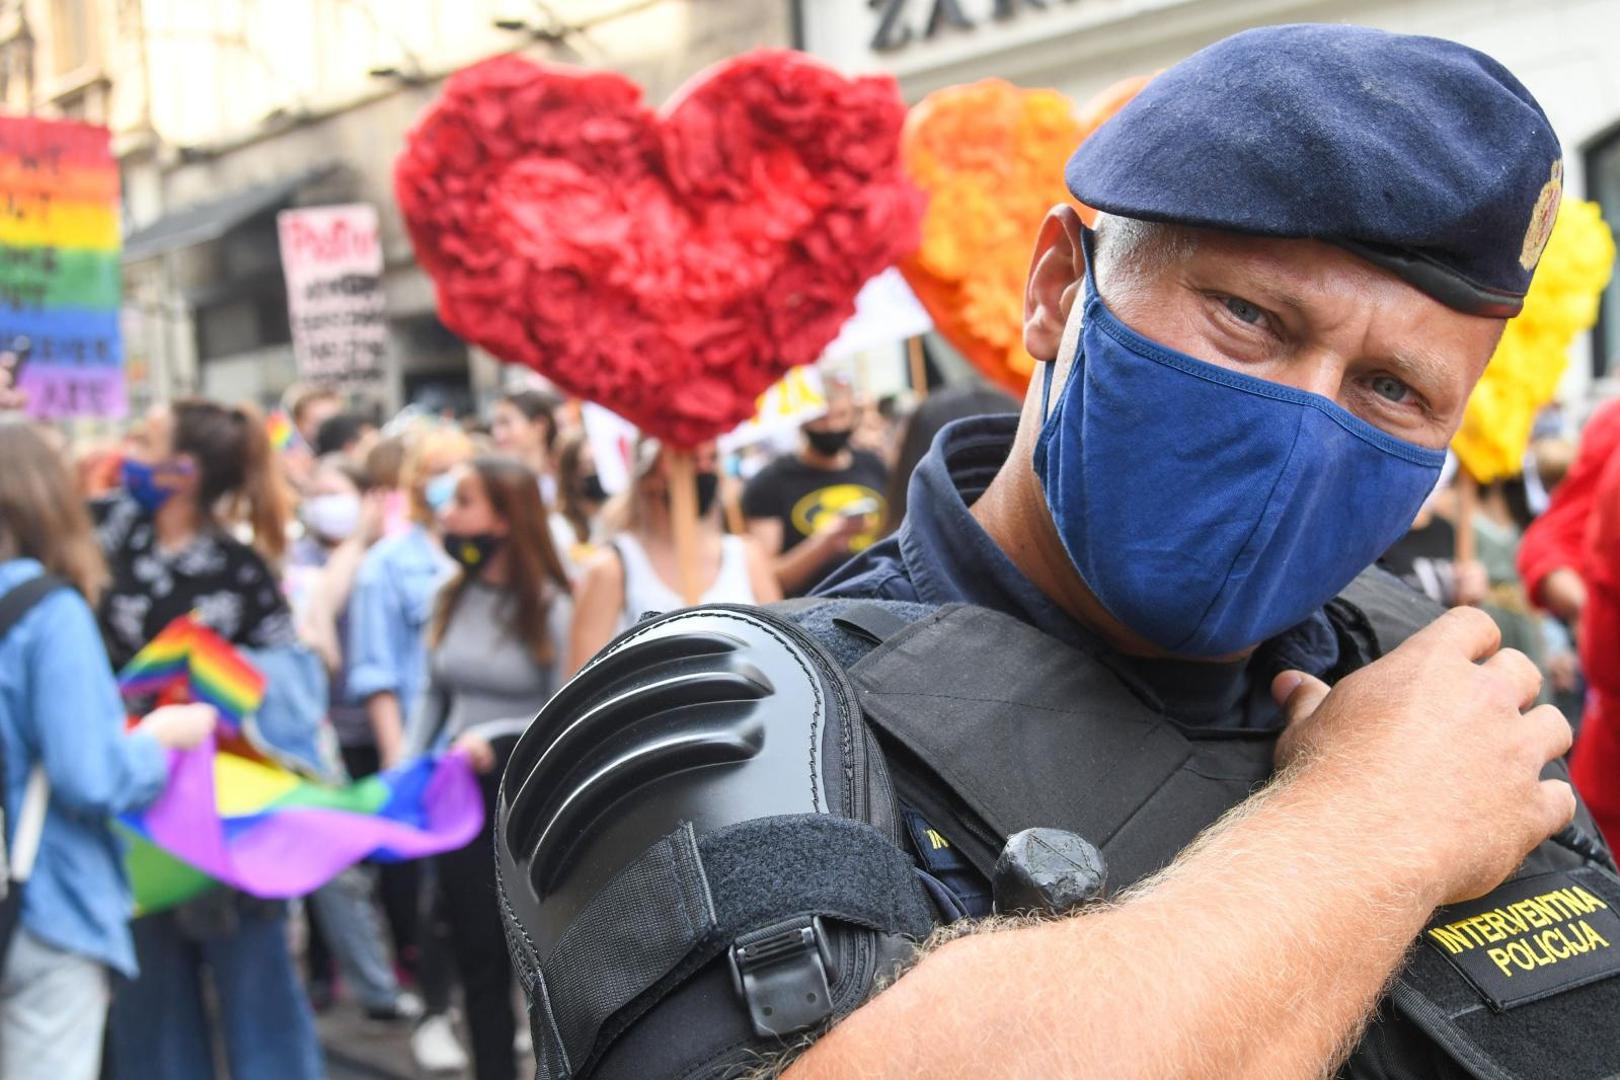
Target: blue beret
(1422, 155)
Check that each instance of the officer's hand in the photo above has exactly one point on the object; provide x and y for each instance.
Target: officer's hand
(1428, 749)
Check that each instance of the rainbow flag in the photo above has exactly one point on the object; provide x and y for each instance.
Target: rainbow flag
(230, 815)
(280, 429)
(60, 281)
(188, 656)
(252, 825)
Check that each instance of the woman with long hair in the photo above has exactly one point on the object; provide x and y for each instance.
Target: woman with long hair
(580, 495)
(66, 755)
(495, 641)
(195, 474)
(199, 474)
(641, 572)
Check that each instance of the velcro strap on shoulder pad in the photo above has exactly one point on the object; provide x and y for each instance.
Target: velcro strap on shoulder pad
(684, 900)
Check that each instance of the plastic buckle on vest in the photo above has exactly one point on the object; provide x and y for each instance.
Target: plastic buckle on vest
(782, 973)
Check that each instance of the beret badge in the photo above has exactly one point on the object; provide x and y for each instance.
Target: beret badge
(1542, 217)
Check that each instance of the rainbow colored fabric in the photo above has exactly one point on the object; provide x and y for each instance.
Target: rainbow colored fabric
(280, 430)
(230, 816)
(61, 284)
(188, 655)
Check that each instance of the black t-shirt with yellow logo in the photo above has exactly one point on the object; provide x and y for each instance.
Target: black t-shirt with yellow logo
(802, 497)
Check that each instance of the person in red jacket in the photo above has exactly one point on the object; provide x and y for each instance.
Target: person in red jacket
(1570, 563)
(1551, 553)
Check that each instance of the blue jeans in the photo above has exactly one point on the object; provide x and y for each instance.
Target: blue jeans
(160, 1026)
(354, 934)
(53, 1007)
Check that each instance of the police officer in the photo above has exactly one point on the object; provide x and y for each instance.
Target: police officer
(1310, 239)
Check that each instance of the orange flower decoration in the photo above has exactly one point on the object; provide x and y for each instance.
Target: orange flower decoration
(990, 155)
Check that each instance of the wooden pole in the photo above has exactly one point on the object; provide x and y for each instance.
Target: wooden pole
(919, 367)
(1467, 502)
(736, 524)
(683, 521)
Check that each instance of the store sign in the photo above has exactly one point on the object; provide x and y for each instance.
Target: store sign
(962, 40)
(899, 23)
(60, 282)
(332, 258)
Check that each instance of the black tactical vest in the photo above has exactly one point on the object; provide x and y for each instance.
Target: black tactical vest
(1034, 734)
(705, 827)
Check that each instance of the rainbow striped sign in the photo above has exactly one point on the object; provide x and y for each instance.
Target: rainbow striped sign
(60, 283)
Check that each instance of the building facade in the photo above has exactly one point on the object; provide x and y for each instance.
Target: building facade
(225, 112)
(1563, 50)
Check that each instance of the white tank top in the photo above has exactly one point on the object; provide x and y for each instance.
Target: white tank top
(645, 591)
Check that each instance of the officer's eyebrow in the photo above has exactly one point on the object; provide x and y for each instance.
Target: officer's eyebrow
(1416, 364)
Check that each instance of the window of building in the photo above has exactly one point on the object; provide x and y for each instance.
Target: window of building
(70, 35)
(1603, 185)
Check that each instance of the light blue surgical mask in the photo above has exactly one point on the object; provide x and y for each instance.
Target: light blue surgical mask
(1208, 510)
(439, 491)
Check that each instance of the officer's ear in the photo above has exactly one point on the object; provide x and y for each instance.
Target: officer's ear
(1056, 273)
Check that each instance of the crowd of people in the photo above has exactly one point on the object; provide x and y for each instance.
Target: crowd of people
(429, 583)
(411, 586)
(434, 581)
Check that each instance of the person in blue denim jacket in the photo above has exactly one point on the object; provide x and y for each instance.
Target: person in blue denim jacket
(62, 721)
(170, 554)
(386, 670)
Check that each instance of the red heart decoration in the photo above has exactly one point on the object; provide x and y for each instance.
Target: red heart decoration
(668, 265)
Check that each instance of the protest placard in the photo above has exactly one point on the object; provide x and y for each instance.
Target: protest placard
(332, 258)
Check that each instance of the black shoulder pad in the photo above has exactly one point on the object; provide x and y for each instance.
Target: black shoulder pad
(700, 807)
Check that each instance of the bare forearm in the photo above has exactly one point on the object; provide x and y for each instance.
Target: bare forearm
(797, 569)
(337, 577)
(387, 727)
(1259, 953)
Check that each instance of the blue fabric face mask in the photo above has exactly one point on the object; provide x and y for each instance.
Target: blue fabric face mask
(439, 491)
(140, 480)
(1208, 510)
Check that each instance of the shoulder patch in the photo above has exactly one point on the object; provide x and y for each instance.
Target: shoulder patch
(1530, 939)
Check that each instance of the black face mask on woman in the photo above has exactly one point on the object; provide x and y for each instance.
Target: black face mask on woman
(708, 486)
(591, 489)
(471, 552)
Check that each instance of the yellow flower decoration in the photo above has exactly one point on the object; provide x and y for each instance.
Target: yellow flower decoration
(1523, 375)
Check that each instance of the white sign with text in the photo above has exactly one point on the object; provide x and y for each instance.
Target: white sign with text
(332, 258)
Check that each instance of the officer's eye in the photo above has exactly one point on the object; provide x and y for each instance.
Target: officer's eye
(1390, 388)
(1242, 310)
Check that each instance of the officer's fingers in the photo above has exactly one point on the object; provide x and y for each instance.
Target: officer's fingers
(1556, 807)
(1520, 674)
(1550, 730)
(1298, 694)
(1467, 629)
